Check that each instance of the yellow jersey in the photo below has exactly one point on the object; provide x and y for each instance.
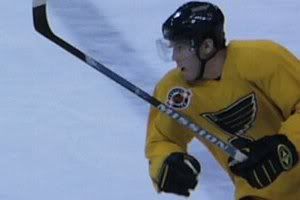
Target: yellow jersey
(258, 94)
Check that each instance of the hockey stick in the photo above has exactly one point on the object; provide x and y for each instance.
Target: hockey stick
(41, 25)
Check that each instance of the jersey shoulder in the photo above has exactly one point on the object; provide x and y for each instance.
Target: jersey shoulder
(170, 79)
(256, 59)
(261, 50)
(254, 44)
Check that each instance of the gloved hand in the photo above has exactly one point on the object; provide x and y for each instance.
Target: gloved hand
(268, 157)
(178, 174)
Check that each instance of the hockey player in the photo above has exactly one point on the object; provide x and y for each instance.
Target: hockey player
(246, 92)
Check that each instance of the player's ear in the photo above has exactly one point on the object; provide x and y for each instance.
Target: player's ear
(207, 48)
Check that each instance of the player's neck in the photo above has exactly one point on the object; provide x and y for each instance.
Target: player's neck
(214, 67)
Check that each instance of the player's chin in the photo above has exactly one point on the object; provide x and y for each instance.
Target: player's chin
(188, 78)
(181, 69)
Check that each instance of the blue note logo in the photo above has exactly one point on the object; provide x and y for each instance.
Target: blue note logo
(237, 118)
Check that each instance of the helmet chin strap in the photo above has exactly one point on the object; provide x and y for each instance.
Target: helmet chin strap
(202, 68)
(202, 64)
(196, 44)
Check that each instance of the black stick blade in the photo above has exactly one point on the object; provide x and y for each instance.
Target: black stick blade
(40, 21)
(41, 25)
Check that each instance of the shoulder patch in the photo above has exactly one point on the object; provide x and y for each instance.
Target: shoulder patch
(179, 98)
(237, 118)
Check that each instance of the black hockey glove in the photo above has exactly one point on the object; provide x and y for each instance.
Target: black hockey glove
(268, 157)
(179, 174)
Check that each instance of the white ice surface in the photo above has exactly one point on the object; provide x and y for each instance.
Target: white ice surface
(68, 132)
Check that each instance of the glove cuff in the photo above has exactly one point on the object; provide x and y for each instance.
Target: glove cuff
(288, 155)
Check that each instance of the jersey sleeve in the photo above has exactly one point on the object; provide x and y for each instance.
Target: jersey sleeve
(278, 76)
(164, 136)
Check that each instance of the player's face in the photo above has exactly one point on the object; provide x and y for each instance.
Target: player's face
(186, 59)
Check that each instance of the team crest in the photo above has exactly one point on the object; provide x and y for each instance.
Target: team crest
(237, 118)
(179, 98)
